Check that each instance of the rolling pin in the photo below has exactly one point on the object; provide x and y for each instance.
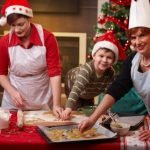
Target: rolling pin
(20, 118)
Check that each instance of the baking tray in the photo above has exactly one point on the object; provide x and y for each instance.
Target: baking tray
(62, 134)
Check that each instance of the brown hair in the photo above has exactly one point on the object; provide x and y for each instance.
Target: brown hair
(144, 30)
(13, 17)
(109, 50)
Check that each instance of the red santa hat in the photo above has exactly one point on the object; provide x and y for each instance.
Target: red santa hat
(109, 41)
(139, 14)
(15, 6)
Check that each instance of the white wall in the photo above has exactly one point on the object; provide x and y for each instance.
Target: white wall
(100, 2)
(99, 5)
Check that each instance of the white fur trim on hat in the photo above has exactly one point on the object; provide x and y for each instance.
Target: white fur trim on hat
(108, 45)
(3, 21)
(139, 14)
(19, 10)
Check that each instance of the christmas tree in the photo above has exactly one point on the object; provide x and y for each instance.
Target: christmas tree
(114, 18)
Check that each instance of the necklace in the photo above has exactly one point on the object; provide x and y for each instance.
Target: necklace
(145, 65)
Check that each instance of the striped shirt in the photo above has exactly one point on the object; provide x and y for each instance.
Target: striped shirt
(82, 82)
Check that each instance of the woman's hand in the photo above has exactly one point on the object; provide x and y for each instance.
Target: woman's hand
(66, 114)
(144, 135)
(86, 124)
(17, 99)
(57, 110)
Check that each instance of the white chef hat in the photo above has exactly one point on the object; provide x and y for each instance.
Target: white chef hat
(139, 14)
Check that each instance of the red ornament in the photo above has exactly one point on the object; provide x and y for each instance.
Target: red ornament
(94, 39)
(126, 21)
(101, 20)
(89, 56)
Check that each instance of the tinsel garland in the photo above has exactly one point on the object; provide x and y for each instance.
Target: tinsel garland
(117, 21)
(121, 2)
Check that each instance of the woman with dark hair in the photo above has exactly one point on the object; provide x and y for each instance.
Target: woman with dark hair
(30, 70)
(136, 70)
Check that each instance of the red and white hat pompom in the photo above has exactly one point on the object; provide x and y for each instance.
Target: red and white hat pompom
(109, 41)
(15, 6)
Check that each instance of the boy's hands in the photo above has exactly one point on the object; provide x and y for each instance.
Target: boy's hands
(57, 110)
(66, 114)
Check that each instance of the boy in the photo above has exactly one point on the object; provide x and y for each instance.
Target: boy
(85, 82)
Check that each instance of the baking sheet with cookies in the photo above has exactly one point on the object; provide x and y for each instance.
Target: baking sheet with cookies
(71, 133)
(46, 118)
